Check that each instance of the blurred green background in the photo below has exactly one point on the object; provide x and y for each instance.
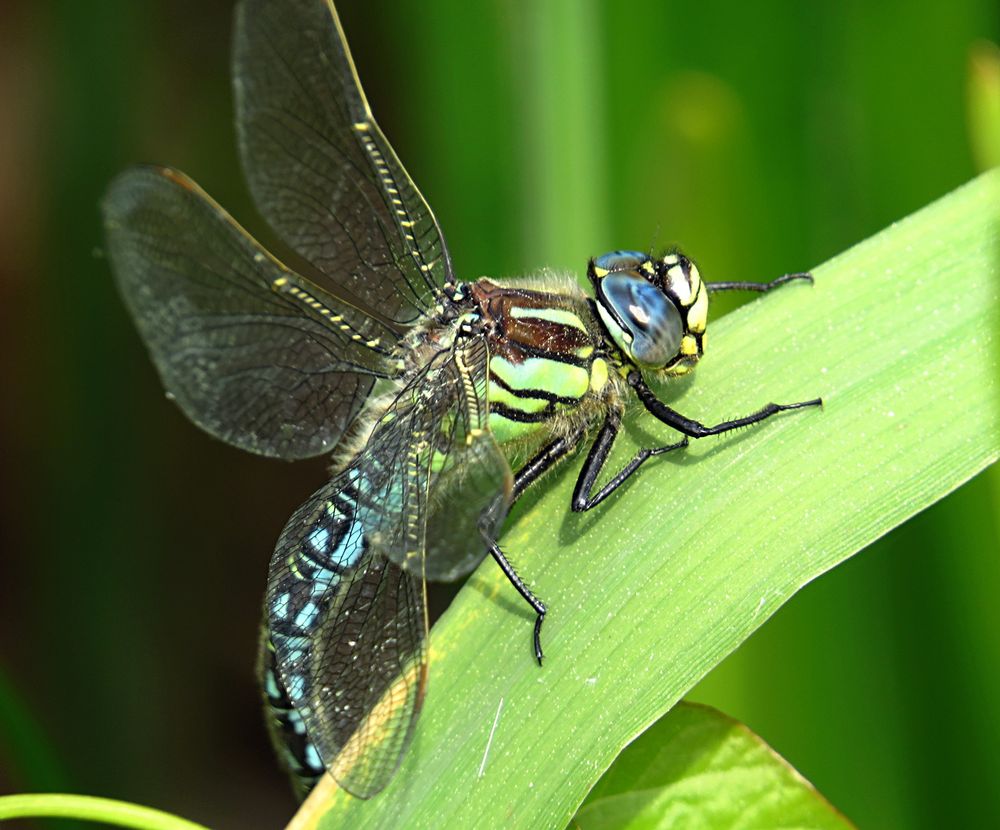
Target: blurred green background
(763, 137)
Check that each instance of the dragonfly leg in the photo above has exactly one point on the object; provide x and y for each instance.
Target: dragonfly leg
(695, 429)
(583, 496)
(760, 287)
(512, 576)
(543, 461)
(524, 477)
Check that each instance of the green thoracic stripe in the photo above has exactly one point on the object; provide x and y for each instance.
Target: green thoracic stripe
(543, 375)
(554, 315)
(498, 394)
(504, 429)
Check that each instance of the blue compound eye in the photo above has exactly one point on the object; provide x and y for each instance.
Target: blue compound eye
(615, 261)
(650, 322)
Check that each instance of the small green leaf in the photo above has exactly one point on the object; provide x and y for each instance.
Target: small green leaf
(698, 768)
(651, 590)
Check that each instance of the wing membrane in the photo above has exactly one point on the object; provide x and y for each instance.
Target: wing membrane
(319, 168)
(253, 353)
(473, 484)
(345, 596)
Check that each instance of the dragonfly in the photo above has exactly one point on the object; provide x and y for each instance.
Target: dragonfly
(421, 385)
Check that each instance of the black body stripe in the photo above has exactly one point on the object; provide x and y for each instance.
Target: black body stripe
(522, 417)
(558, 357)
(540, 394)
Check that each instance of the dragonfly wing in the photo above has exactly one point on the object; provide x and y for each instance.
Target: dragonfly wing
(319, 168)
(473, 484)
(253, 353)
(469, 503)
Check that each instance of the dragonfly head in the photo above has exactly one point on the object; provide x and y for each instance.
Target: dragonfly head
(655, 310)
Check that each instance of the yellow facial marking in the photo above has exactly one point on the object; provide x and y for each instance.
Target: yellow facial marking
(695, 279)
(697, 316)
(689, 346)
(679, 285)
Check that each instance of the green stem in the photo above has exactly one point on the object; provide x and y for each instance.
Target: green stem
(563, 101)
(89, 808)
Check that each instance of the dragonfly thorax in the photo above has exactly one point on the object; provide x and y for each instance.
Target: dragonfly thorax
(548, 360)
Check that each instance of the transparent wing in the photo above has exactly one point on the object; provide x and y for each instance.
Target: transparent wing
(345, 600)
(473, 482)
(319, 168)
(253, 353)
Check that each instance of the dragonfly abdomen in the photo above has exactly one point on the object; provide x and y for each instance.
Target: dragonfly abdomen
(286, 727)
(297, 607)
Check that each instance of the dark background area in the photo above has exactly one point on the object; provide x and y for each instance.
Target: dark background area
(764, 137)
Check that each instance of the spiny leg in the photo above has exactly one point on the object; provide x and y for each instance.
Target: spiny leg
(598, 455)
(695, 429)
(524, 477)
(760, 287)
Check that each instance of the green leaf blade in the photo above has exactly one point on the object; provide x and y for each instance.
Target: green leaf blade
(651, 590)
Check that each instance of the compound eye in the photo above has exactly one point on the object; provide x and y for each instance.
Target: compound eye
(617, 261)
(648, 315)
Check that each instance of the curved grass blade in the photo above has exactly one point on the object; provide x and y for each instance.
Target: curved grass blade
(106, 811)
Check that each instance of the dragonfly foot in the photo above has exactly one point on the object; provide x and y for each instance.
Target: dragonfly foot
(538, 636)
